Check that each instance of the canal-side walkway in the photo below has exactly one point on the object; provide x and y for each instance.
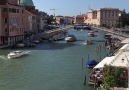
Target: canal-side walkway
(116, 34)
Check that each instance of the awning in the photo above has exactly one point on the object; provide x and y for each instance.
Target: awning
(125, 47)
(125, 41)
(106, 60)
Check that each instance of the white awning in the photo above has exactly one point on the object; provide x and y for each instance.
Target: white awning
(125, 47)
(125, 41)
(106, 60)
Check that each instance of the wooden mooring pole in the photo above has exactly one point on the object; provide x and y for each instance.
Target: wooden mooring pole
(84, 81)
(82, 62)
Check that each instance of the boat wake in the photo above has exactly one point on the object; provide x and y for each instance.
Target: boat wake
(3, 57)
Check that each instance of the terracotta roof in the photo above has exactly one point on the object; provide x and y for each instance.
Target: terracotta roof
(109, 8)
(29, 12)
(81, 16)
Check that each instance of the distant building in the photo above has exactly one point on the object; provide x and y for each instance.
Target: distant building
(64, 19)
(58, 19)
(102, 17)
(79, 19)
(70, 19)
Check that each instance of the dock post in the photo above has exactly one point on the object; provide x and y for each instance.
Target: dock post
(85, 81)
(82, 62)
(95, 83)
(88, 56)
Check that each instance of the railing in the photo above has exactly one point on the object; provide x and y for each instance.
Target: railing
(113, 32)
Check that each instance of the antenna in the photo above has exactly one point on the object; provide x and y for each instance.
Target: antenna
(53, 11)
(89, 7)
(80, 13)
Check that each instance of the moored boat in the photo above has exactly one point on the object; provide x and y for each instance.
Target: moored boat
(91, 63)
(16, 54)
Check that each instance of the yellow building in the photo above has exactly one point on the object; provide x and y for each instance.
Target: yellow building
(102, 17)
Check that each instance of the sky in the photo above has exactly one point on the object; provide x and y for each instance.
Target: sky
(77, 7)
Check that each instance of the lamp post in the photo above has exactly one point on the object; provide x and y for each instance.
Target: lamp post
(119, 19)
(54, 14)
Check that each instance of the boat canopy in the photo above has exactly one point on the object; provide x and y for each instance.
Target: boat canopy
(106, 60)
(91, 62)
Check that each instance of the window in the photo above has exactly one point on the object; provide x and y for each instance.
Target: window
(22, 11)
(6, 30)
(17, 10)
(33, 17)
(5, 20)
(14, 10)
(5, 10)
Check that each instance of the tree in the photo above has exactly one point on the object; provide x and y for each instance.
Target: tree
(50, 19)
(113, 77)
(123, 20)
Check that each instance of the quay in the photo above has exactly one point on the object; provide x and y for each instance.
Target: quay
(116, 34)
(51, 33)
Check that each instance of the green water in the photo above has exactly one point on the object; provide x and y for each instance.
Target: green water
(51, 66)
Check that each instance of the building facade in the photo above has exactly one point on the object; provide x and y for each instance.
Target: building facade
(64, 20)
(12, 23)
(79, 19)
(102, 17)
(18, 20)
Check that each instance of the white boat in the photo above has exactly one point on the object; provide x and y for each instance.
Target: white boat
(70, 38)
(91, 33)
(36, 41)
(88, 42)
(16, 54)
(20, 45)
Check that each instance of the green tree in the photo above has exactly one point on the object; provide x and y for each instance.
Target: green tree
(50, 19)
(123, 20)
(113, 77)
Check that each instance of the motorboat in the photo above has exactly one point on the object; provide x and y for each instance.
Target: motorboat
(16, 54)
(70, 38)
(91, 63)
(20, 45)
(87, 42)
(91, 34)
(36, 41)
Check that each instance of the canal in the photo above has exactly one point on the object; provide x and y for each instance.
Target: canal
(52, 66)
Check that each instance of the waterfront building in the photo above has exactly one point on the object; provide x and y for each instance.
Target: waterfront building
(79, 19)
(19, 20)
(70, 20)
(58, 18)
(12, 23)
(103, 17)
(42, 20)
(64, 19)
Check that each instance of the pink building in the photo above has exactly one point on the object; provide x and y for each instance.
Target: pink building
(80, 19)
(103, 17)
(18, 17)
(13, 22)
